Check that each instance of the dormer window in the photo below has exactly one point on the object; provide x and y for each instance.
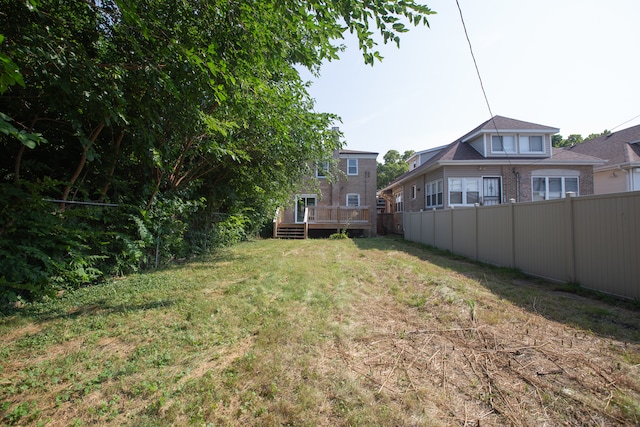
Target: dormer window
(531, 144)
(503, 144)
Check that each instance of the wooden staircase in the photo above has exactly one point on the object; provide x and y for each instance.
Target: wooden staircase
(291, 231)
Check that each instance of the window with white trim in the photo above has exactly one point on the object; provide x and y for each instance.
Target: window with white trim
(322, 169)
(635, 180)
(353, 199)
(552, 187)
(352, 166)
(531, 143)
(464, 191)
(414, 192)
(433, 194)
(398, 205)
(503, 144)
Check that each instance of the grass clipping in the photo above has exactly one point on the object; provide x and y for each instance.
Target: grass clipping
(323, 333)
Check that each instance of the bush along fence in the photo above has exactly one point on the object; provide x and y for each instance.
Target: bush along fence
(593, 241)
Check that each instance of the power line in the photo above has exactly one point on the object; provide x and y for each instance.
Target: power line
(475, 63)
(633, 118)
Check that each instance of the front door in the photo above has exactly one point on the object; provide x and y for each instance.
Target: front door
(491, 191)
(303, 201)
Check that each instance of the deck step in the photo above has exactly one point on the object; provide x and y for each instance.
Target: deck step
(290, 231)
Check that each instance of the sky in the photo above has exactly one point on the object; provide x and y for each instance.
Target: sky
(568, 64)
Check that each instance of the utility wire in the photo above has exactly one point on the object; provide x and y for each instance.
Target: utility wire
(633, 118)
(475, 63)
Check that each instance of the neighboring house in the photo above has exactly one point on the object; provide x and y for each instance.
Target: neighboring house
(500, 160)
(422, 156)
(342, 194)
(621, 150)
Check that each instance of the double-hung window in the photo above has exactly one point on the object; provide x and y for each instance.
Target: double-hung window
(322, 169)
(352, 166)
(353, 200)
(531, 144)
(433, 194)
(548, 187)
(503, 144)
(464, 191)
(398, 205)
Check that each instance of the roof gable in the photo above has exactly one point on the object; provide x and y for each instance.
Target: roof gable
(459, 151)
(506, 124)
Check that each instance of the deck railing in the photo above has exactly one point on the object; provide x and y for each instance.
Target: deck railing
(338, 214)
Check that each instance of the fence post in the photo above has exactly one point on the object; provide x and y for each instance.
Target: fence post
(476, 206)
(451, 229)
(571, 241)
(512, 203)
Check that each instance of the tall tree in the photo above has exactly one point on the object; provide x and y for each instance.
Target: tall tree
(394, 165)
(155, 105)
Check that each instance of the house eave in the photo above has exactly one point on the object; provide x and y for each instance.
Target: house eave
(520, 162)
(358, 156)
(617, 166)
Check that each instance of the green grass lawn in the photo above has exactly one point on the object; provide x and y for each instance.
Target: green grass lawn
(322, 333)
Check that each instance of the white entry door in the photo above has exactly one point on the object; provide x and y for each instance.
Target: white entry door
(303, 201)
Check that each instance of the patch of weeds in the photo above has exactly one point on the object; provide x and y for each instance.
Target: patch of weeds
(22, 413)
(339, 236)
(417, 300)
(472, 309)
(145, 388)
(38, 341)
(629, 407)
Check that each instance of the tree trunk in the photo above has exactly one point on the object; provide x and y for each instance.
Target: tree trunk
(155, 189)
(81, 163)
(16, 168)
(113, 167)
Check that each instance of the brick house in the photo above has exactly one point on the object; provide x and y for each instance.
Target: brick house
(342, 194)
(499, 160)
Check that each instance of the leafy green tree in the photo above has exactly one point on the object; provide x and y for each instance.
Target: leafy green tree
(597, 135)
(558, 141)
(394, 165)
(185, 112)
(573, 139)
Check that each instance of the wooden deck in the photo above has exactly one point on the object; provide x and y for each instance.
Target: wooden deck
(323, 218)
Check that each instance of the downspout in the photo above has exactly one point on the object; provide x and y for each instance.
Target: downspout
(517, 175)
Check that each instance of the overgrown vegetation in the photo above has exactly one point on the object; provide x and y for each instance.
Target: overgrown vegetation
(322, 333)
(188, 122)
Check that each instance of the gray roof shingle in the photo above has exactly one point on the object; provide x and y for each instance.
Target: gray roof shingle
(459, 151)
(618, 147)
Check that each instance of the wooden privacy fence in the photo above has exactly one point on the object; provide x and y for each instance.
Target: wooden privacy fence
(591, 240)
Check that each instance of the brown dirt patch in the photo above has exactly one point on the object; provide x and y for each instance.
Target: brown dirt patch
(472, 373)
